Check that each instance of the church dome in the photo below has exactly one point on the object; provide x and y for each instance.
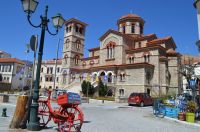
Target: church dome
(130, 17)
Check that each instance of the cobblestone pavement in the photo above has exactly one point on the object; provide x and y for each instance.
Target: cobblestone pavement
(111, 118)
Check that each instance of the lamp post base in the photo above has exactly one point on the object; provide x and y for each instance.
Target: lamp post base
(33, 124)
(33, 127)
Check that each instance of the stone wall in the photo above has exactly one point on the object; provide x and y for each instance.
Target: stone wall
(174, 78)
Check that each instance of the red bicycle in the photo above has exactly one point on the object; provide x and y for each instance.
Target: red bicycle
(68, 116)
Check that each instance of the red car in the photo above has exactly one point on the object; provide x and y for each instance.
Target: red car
(140, 99)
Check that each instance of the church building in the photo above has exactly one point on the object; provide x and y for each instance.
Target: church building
(126, 60)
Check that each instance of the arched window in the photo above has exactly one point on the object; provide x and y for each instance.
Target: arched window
(124, 29)
(139, 44)
(81, 30)
(141, 29)
(131, 59)
(84, 63)
(111, 50)
(146, 58)
(70, 28)
(67, 43)
(122, 76)
(76, 28)
(148, 77)
(107, 52)
(133, 28)
(121, 92)
(67, 30)
(76, 58)
(65, 58)
(110, 77)
(78, 44)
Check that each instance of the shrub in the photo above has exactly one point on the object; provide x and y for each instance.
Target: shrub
(84, 87)
(191, 106)
(88, 85)
(102, 89)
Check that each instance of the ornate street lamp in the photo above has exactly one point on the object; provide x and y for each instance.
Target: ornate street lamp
(197, 6)
(29, 7)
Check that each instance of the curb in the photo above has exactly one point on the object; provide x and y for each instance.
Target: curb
(183, 122)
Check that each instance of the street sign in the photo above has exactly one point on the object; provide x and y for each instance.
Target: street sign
(33, 43)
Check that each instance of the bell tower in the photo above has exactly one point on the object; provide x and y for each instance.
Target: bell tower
(131, 24)
(73, 47)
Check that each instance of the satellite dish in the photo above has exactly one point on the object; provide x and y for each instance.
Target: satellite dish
(33, 43)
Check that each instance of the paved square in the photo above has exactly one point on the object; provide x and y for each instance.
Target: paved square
(111, 118)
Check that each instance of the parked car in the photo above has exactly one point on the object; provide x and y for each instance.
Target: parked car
(140, 99)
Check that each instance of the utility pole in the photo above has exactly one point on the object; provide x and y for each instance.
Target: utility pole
(56, 63)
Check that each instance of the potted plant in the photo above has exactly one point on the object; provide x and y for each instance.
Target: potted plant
(181, 116)
(190, 111)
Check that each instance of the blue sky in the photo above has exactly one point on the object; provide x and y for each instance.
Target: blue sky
(176, 18)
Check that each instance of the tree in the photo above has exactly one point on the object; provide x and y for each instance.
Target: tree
(102, 88)
(88, 85)
(91, 89)
(84, 87)
(1, 78)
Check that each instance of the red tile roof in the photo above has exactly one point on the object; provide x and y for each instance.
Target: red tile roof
(189, 59)
(115, 32)
(145, 49)
(11, 60)
(94, 49)
(53, 61)
(75, 20)
(90, 58)
(172, 52)
(148, 37)
(162, 40)
(130, 17)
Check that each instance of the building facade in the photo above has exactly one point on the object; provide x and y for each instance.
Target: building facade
(47, 75)
(187, 62)
(11, 73)
(126, 60)
(3, 54)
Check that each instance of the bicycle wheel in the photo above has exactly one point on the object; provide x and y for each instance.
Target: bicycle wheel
(43, 114)
(160, 114)
(74, 121)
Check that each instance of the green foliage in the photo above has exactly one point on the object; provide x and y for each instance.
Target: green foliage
(91, 89)
(84, 87)
(1, 78)
(102, 89)
(191, 106)
(88, 85)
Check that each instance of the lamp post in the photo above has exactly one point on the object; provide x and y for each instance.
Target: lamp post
(55, 71)
(197, 6)
(29, 7)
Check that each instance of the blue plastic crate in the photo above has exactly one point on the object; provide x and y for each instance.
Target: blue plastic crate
(171, 112)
